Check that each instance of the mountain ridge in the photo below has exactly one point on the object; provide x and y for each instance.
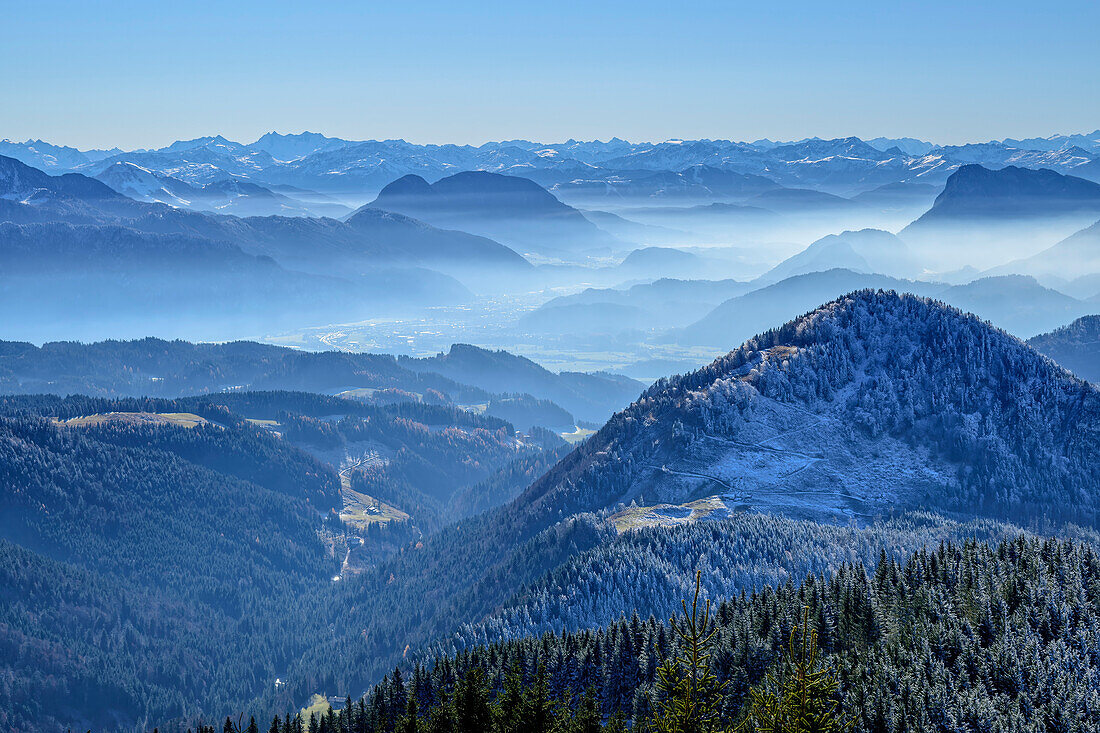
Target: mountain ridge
(767, 366)
(976, 191)
(507, 208)
(989, 218)
(293, 240)
(313, 161)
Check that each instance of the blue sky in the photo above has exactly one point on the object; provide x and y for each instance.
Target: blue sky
(144, 74)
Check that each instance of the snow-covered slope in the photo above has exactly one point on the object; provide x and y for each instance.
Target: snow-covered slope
(1089, 142)
(287, 148)
(142, 184)
(20, 182)
(228, 196)
(873, 403)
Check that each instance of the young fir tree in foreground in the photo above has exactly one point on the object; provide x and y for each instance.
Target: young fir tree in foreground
(690, 692)
(802, 696)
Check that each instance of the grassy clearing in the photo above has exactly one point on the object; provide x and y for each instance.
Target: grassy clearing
(360, 392)
(577, 435)
(180, 419)
(318, 705)
(669, 515)
(361, 510)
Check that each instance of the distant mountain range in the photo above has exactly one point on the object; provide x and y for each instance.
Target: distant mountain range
(1017, 303)
(661, 304)
(229, 196)
(899, 196)
(589, 396)
(368, 237)
(788, 200)
(122, 267)
(740, 317)
(110, 263)
(701, 169)
(404, 250)
(1078, 255)
(598, 186)
(1013, 193)
(667, 261)
(711, 314)
(313, 174)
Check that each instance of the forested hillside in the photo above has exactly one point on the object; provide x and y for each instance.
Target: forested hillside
(167, 557)
(465, 376)
(964, 636)
(649, 570)
(1076, 346)
(149, 569)
(160, 368)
